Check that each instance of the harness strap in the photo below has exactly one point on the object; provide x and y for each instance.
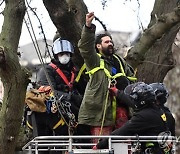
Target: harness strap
(61, 74)
(105, 108)
(114, 106)
(80, 72)
(121, 67)
(105, 70)
(110, 78)
(60, 122)
(108, 74)
(29, 125)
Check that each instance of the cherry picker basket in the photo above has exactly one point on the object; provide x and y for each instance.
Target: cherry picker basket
(116, 144)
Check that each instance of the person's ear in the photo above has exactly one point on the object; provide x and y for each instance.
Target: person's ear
(98, 46)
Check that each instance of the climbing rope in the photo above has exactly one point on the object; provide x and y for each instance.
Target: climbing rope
(105, 107)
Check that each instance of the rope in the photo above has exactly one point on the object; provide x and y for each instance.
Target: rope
(36, 42)
(2, 2)
(42, 30)
(105, 108)
(103, 25)
(43, 66)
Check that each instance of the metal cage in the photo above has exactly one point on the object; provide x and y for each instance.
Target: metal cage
(69, 144)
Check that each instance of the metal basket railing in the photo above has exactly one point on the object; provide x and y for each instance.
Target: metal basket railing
(76, 144)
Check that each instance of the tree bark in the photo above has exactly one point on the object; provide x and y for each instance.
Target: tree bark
(159, 30)
(14, 78)
(152, 55)
(159, 58)
(68, 16)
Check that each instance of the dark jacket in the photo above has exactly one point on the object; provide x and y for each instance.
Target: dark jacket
(122, 97)
(170, 119)
(60, 87)
(146, 122)
(56, 81)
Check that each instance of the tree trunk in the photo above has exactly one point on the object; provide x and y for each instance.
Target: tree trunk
(172, 82)
(14, 78)
(159, 58)
(151, 55)
(68, 16)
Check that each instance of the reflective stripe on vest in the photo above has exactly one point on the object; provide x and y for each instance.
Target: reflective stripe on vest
(108, 74)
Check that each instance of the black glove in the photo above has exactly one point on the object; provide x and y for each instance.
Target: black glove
(122, 82)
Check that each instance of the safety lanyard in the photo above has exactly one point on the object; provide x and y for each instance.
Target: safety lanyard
(61, 74)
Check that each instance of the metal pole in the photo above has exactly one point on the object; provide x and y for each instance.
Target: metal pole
(70, 146)
(36, 148)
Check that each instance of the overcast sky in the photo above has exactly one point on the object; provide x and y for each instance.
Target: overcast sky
(117, 15)
(122, 15)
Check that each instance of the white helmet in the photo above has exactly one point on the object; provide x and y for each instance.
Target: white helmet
(62, 46)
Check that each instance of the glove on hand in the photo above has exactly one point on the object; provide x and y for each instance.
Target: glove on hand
(122, 82)
(113, 90)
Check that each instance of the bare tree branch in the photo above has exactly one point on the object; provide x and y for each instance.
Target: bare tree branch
(150, 36)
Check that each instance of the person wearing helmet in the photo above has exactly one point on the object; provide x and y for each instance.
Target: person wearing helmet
(60, 76)
(62, 51)
(146, 120)
(162, 95)
(124, 95)
(161, 92)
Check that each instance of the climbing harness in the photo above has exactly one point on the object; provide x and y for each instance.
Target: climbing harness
(111, 81)
(61, 74)
(106, 71)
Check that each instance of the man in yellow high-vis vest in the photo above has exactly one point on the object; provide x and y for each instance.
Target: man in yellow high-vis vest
(103, 66)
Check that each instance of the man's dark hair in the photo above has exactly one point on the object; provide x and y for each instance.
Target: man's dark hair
(98, 38)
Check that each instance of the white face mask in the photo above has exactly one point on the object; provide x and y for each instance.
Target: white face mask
(64, 59)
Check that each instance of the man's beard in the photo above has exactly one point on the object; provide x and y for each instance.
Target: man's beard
(109, 51)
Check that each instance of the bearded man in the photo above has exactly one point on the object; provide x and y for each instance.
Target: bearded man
(98, 108)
